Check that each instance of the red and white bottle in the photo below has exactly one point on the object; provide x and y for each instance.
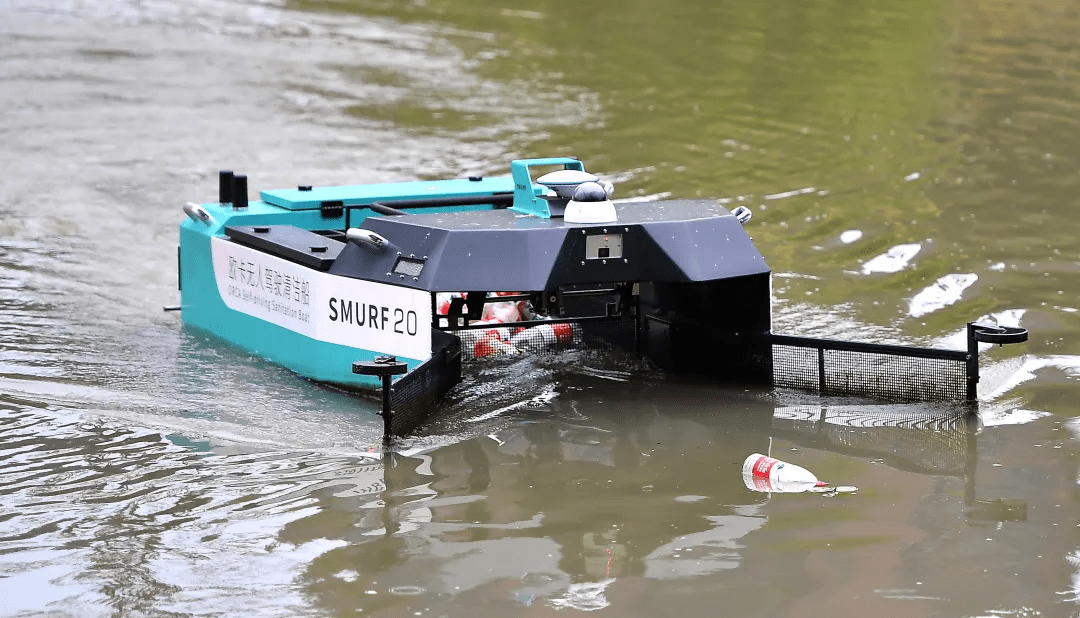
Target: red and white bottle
(544, 337)
(764, 473)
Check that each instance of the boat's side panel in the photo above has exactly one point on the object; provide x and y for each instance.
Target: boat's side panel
(241, 297)
(381, 317)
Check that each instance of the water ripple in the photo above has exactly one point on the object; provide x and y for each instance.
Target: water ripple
(132, 504)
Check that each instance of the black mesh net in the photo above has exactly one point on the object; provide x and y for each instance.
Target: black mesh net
(415, 395)
(413, 399)
(879, 371)
(893, 373)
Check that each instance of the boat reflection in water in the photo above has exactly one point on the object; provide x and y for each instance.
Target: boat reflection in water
(554, 505)
(921, 438)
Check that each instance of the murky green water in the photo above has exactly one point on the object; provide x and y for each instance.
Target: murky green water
(910, 168)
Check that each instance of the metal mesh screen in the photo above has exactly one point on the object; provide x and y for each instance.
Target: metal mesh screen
(885, 372)
(413, 399)
(415, 395)
(795, 367)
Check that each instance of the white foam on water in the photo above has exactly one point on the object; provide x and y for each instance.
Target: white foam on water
(945, 291)
(1024, 368)
(892, 261)
(780, 196)
(1015, 416)
(795, 276)
(849, 236)
(349, 575)
(652, 197)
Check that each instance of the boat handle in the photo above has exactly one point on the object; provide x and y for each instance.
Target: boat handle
(198, 213)
(366, 237)
(743, 214)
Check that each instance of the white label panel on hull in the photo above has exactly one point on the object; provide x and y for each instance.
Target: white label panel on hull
(387, 319)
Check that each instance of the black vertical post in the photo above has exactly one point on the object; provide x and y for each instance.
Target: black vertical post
(384, 367)
(986, 334)
(972, 363)
(821, 370)
(387, 413)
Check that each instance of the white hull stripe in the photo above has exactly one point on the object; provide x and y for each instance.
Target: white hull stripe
(386, 319)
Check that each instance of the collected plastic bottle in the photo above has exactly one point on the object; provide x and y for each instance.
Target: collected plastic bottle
(491, 344)
(764, 473)
(443, 302)
(480, 343)
(544, 337)
(502, 312)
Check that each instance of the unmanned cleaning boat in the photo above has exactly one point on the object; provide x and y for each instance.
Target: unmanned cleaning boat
(351, 285)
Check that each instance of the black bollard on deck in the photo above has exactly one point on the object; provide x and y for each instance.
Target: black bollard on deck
(225, 186)
(384, 367)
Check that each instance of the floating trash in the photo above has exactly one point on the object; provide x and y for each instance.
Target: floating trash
(767, 474)
(829, 491)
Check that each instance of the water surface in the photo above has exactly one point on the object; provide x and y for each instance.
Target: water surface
(910, 169)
